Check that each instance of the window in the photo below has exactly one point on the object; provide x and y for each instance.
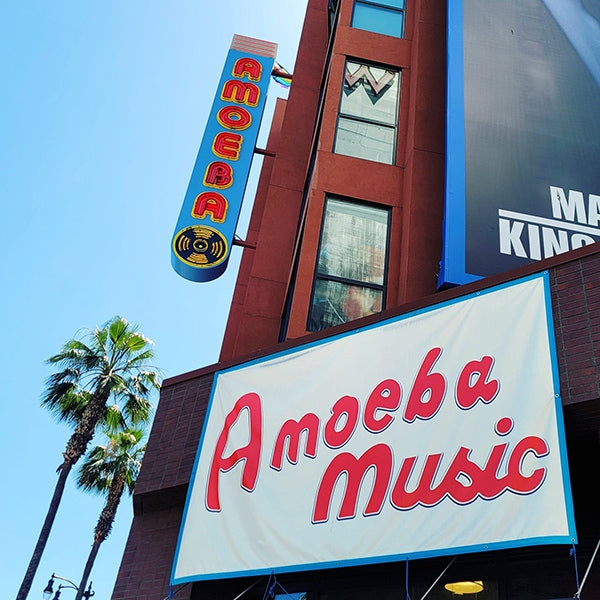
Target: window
(368, 113)
(351, 268)
(379, 16)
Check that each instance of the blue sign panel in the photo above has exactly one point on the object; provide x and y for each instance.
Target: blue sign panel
(204, 233)
(523, 134)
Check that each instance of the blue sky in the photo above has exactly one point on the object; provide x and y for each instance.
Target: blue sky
(102, 112)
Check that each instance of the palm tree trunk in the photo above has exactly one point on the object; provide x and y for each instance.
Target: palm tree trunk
(88, 567)
(34, 563)
(76, 447)
(84, 432)
(103, 527)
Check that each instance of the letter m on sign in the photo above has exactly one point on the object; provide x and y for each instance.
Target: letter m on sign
(379, 458)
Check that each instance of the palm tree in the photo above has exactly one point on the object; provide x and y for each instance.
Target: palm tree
(109, 363)
(110, 469)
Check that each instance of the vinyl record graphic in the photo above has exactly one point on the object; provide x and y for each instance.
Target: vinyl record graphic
(200, 246)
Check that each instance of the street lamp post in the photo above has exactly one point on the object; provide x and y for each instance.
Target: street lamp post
(50, 588)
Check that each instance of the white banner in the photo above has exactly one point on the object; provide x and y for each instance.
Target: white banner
(439, 432)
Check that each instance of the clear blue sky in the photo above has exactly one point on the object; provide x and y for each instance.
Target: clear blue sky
(102, 111)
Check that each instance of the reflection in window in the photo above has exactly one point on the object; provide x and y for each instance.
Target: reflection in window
(368, 113)
(380, 16)
(351, 274)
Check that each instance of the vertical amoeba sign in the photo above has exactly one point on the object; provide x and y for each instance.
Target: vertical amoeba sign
(204, 232)
(523, 133)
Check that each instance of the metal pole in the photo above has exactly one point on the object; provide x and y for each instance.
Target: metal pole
(578, 592)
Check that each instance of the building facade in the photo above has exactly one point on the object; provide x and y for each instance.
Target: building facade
(347, 231)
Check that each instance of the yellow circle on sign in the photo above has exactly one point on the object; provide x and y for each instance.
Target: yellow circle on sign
(200, 246)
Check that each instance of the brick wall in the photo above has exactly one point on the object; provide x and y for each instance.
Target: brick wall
(175, 435)
(161, 490)
(576, 306)
(146, 565)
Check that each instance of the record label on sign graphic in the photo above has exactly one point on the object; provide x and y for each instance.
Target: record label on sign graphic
(200, 246)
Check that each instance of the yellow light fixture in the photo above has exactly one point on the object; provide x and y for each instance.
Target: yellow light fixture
(464, 587)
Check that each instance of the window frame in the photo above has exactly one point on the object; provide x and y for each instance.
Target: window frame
(380, 4)
(352, 118)
(320, 276)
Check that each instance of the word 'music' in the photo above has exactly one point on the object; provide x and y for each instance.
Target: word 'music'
(463, 480)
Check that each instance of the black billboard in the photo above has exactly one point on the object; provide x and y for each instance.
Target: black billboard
(523, 133)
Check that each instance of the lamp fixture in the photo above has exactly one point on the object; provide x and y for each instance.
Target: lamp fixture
(48, 589)
(464, 587)
(87, 594)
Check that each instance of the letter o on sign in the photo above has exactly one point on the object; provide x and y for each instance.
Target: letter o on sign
(234, 117)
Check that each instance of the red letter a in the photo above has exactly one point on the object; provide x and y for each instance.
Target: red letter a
(250, 453)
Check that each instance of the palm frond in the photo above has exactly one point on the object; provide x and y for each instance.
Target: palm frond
(137, 342)
(111, 364)
(114, 420)
(137, 409)
(72, 349)
(69, 406)
(140, 360)
(55, 391)
(118, 459)
(117, 327)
